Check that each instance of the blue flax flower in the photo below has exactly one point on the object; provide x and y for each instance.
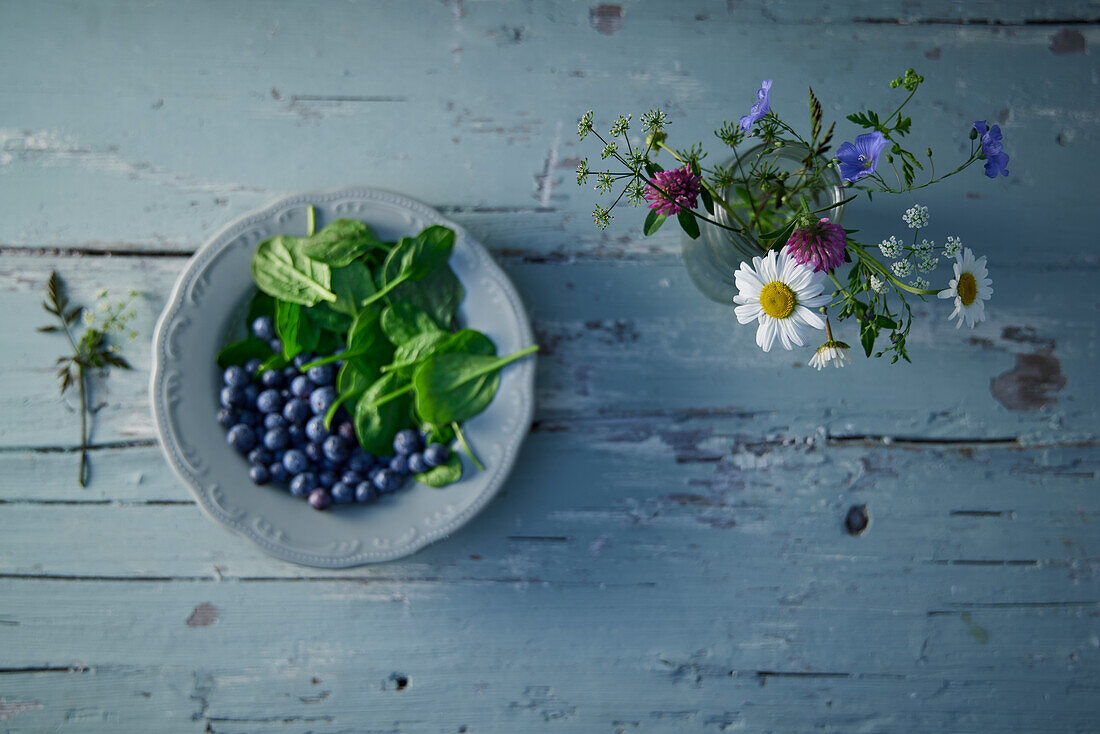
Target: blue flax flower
(760, 109)
(996, 159)
(859, 160)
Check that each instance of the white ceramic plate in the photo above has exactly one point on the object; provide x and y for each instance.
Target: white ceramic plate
(206, 307)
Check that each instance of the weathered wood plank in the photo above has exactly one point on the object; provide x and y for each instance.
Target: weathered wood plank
(280, 73)
(633, 501)
(1025, 373)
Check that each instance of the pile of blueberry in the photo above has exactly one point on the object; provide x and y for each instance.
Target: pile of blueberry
(276, 419)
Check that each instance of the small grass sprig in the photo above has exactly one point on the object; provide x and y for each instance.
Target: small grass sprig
(96, 349)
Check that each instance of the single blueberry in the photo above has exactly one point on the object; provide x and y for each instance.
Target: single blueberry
(314, 452)
(259, 474)
(351, 478)
(365, 492)
(302, 484)
(399, 464)
(227, 418)
(296, 411)
(233, 397)
(250, 418)
(384, 481)
(235, 376)
(260, 456)
(319, 499)
(327, 478)
(297, 435)
(336, 449)
(437, 455)
(373, 472)
(264, 328)
(394, 482)
(342, 493)
(289, 373)
(241, 437)
(279, 473)
(269, 401)
(252, 365)
(301, 359)
(315, 428)
(295, 461)
(251, 392)
(275, 420)
(346, 431)
(276, 438)
(301, 386)
(327, 463)
(417, 465)
(321, 399)
(406, 441)
(360, 461)
(276, 345)
(322, 374)
(272, 378)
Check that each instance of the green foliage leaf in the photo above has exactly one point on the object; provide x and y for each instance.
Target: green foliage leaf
(240, 352)
(444, 474)
(708, 201)
(365, 337)
(653, 222)
(377, 425)
(341, 242)
(402, 321)
(283, 271)
(352, 285)
(689, 224)
(455, 387)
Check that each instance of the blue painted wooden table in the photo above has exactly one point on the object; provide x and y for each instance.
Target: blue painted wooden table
(670, 555)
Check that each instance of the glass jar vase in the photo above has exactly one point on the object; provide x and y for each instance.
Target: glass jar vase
(712, 259)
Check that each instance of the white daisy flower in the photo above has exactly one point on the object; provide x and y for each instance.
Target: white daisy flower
(971, 288)
(831, 352)
(781, 295)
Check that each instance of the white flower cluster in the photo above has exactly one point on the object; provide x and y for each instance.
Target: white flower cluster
(916, 217)
(902, 268)
(954, 244)
(891, 248)
(878, 285)
(919, 282)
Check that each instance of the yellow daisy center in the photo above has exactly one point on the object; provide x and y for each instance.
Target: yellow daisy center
(967, 289)
(777, 299)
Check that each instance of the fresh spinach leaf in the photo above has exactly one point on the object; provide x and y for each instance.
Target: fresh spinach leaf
(439, 293)
(414, 258)
(410, 354)
(341, 242)
(367, 345)
(352, 285)
(282, 270)
(376, 425)
(324, 317)
(442, 475)
(456, 387)
(240, 352)
(288, 321)
(261, 304)
(402, 321)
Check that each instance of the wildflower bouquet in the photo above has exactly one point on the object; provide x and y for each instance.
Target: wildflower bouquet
(765, 206)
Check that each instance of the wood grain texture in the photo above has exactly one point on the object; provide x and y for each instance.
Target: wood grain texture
(671, 553)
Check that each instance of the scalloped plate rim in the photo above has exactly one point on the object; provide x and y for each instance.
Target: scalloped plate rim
(174, 303)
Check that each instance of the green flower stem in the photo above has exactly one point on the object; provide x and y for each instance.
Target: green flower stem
(466, 446)
(876, 265)
(311, 221)
(882, 128)
(378, 402)
(83, 476)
